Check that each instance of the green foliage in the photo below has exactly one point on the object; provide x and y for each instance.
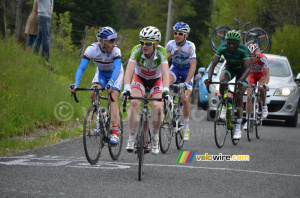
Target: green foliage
(30, 94)
(286, 40)
(62, 32)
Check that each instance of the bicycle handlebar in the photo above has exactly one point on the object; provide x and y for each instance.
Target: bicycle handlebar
(183, 88)
(222, 83)
(92, 89)
(127, 96)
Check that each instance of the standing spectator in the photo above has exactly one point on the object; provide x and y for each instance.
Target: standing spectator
(32, 25)
(45, 9)
(198, 77)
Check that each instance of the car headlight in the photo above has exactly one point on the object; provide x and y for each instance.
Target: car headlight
(285, 91)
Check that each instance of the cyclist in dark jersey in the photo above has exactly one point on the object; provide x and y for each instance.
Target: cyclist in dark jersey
(237, 64)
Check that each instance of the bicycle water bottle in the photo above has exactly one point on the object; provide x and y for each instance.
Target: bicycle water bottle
(103, 111)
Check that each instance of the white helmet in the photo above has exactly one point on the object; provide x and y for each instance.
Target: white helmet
(150, 33)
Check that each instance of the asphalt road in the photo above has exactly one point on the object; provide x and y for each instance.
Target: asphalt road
(61, 170)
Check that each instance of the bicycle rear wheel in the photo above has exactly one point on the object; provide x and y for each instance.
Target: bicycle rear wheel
(220, 126)
(92, 136)
(250, 118)
(165, 136)
(141, 145)
(115, 150)
(179, 133)
(258, 36)
(217, 37)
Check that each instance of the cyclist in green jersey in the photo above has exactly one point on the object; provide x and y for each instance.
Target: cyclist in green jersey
(237, 64)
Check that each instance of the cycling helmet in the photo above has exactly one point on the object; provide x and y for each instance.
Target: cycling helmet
(233, 35)
(201, 69)
(150, 33)
(253, 49)
(107, 33)
(182, 27)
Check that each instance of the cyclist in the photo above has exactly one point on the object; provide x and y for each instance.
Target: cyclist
(148, 61)
(109, 72)
(237, 63)
(259, 72)
(182, 53)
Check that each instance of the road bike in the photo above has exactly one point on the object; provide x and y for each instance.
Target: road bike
(97, 128)
(222, 127)
(254, 119)
(143, 140)
(172, 124)
(255, 35)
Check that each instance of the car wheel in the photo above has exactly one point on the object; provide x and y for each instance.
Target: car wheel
(292, 121)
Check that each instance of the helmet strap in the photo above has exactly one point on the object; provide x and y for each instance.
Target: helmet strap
(102, 48)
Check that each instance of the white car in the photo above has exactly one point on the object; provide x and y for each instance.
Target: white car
(282, 98)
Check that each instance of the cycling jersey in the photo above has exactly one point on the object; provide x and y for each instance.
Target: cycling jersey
(257, 68)
(234, 60)
(148, 68)
(106, 62)
(260, 64)
(181, 59)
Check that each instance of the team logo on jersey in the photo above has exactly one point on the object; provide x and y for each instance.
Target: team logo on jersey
(148, 73)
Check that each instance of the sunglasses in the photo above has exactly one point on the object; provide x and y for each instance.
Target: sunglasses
(252, 56)
(232, 43)
(179, 33)
(149, 43)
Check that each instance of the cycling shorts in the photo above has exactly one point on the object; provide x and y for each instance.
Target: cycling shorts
(154, 85)
(103, 77)
(181, 73)
(234, 72)
(253, 78)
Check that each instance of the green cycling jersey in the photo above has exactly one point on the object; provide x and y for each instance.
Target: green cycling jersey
(234, 60)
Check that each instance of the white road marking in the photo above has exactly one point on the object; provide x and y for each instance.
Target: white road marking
(73, 162)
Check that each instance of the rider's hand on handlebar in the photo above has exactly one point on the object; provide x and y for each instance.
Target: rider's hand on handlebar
(72, 88)
(127, 90)
(183, 85)
(267, 88)
(207, 82)
(109, 87)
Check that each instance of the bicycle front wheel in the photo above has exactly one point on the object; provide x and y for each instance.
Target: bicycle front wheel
(217, 37)
(92, 135)
(115, 150)
(220, 126)
(257, 36)
(165, 135)
(179, 133)
(259, 120)
(250, 119)
(141, 145)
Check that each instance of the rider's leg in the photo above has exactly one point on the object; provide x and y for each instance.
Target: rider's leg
(156, 122)
(262, 95)
(133, 118)
(237, 131)
(93, 94)
(247, 109)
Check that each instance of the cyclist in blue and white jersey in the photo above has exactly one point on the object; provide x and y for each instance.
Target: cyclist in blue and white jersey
(182, 53)
(109, 72)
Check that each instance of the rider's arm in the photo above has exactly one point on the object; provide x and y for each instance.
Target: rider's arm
(193, 65)
(129, 72)
(83, 65)
(215, 61)
(267, 75)
(117, 67)
(165, 74)
(246, 71)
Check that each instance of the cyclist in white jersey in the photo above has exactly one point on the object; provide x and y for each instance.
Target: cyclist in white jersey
(109, 72)
(148, 61)
(182, 53)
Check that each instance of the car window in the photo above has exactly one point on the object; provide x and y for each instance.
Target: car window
(279, 68)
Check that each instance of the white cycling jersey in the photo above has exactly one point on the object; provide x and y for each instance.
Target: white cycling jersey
(103, 60)
(183, 56)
